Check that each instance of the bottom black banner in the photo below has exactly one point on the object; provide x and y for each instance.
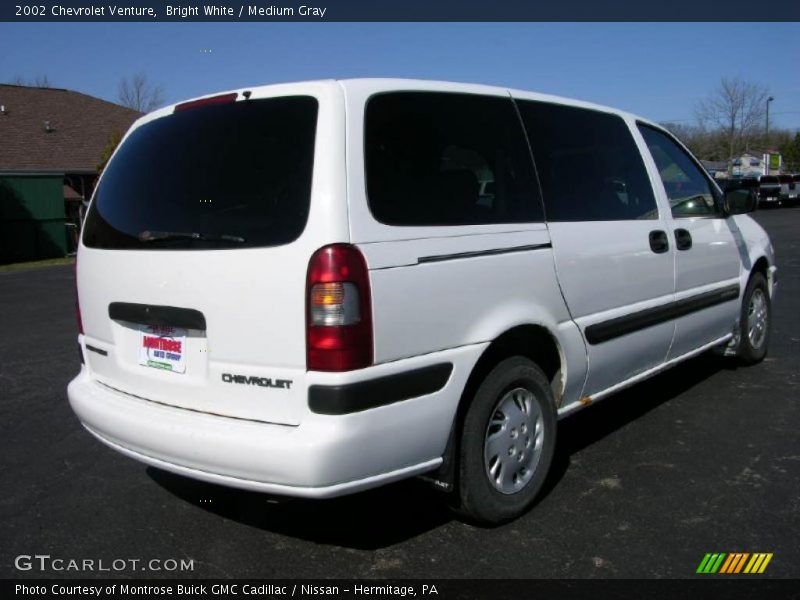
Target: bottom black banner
(444, 589)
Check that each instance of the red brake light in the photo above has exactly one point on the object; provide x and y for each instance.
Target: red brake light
(221, 99)
(338, 310)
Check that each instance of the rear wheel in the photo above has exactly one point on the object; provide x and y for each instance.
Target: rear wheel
(506, 442)
(755, 321)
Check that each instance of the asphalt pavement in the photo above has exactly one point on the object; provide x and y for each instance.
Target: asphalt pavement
(703, 458)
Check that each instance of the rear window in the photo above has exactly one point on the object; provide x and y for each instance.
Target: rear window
(769, 179)
(220, 176)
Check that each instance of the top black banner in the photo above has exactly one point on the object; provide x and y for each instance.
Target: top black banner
(398, 10)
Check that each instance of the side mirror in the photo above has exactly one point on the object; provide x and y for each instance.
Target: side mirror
(740, 201)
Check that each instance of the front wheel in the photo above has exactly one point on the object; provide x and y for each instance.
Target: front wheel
(506, 442)
(755, 321)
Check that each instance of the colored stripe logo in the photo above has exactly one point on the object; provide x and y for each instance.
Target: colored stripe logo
(734, 562)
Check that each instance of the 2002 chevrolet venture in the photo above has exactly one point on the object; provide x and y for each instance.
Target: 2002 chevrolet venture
(312, 289)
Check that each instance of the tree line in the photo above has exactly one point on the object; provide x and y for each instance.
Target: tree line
(732, 120)
(136, 92)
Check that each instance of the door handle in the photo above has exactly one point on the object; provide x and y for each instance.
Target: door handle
(683, 239)
(659, 243)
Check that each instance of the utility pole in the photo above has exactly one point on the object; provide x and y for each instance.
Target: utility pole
(770, 99)
(766, 138)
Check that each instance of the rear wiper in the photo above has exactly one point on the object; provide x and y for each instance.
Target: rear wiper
(157, 236)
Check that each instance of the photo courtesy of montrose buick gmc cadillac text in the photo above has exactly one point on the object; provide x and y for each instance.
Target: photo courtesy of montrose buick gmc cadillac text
(312, 289)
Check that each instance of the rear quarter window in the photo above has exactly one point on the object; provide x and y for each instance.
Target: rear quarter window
(219, 176)
(435, 158)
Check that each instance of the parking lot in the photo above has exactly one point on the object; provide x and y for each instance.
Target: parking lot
(703, 458)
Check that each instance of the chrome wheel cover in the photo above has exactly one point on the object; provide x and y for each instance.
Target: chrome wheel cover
(513, 442)
(757, 318)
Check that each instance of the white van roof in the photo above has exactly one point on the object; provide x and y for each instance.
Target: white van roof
(377, 85)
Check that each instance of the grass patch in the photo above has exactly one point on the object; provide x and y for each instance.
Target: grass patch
(52, 262)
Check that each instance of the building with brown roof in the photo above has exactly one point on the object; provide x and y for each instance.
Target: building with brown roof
(51, 143)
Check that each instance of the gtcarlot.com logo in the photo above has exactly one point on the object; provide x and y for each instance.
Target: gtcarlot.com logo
(732, 563)
(45, 562)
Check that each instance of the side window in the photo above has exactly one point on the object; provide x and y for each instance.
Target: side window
(689, 191)
(447, 159)
(589, 166)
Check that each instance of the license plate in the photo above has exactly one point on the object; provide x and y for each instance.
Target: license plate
(163, 348)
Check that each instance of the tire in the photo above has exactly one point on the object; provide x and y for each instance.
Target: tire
(755, 321)
(496, 424)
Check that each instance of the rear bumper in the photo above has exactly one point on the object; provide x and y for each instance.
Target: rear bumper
(329, 491)
(325, 456)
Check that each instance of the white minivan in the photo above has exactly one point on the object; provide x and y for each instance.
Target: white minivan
(316, 288)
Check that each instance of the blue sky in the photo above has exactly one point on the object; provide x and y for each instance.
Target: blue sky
(658, 70)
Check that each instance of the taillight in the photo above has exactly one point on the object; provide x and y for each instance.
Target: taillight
(338, 310)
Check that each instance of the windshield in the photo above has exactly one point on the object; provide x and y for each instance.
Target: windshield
(222, 176)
